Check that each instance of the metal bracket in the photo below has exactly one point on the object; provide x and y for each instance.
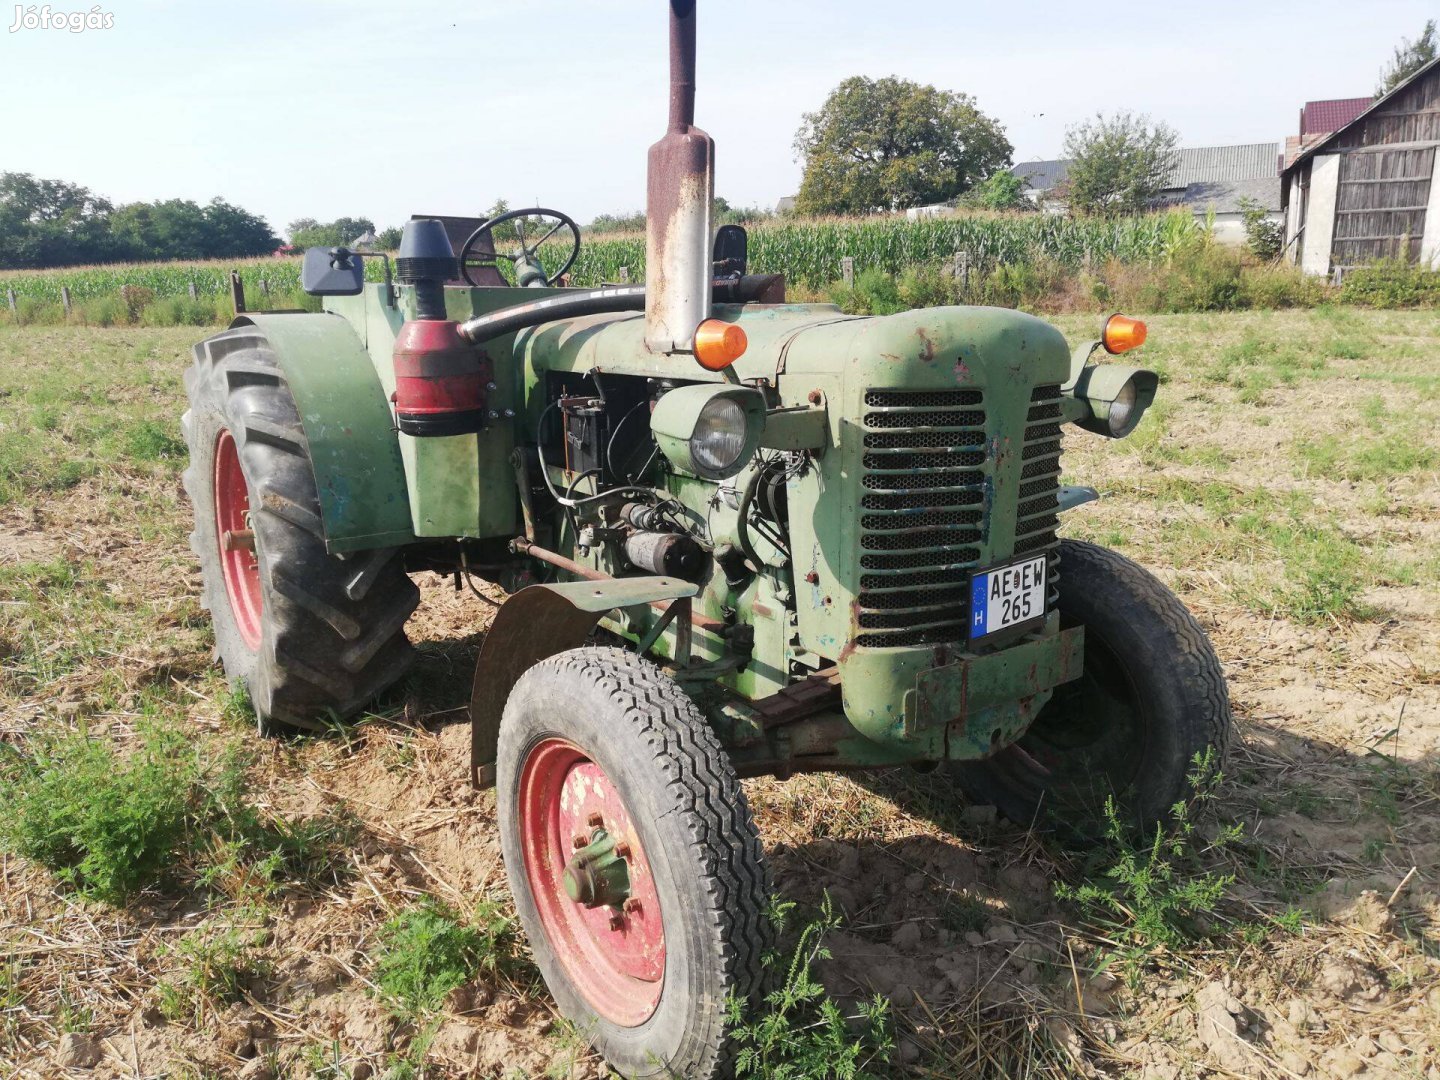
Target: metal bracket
(538, 622)
(1073, 495)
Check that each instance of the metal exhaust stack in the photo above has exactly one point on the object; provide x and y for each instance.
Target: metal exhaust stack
(679, 191)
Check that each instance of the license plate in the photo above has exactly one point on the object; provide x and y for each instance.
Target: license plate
(1004, 597)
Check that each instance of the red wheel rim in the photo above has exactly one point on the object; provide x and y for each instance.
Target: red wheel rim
(615, 957)
(237, 557)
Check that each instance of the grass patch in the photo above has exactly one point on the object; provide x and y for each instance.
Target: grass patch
(1369, 458)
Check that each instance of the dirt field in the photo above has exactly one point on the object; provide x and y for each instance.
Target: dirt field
(1287, 487)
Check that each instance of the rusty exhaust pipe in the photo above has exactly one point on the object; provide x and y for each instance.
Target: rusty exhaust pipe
(680, 187)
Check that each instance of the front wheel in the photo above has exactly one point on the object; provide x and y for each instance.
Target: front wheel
(1150, 702)
(635, 866)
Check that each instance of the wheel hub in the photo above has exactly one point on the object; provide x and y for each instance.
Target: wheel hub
(597, 875)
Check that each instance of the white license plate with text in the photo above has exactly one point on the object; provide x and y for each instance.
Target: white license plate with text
(1004, 597)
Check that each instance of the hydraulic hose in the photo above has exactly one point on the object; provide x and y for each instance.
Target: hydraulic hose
(508, 320)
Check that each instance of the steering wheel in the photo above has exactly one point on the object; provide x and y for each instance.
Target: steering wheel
(523, 253)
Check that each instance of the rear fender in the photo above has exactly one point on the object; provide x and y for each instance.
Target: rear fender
(354, 449)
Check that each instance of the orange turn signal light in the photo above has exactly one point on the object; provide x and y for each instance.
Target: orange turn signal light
(1122, 333)
(718, 344)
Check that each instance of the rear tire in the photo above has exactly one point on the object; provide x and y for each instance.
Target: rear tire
(1151, 698)
(602, 732)
(309, 635)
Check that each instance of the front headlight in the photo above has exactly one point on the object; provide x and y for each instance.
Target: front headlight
(1121, 409)
(719, 437)
(1115, 398)
(709, 430)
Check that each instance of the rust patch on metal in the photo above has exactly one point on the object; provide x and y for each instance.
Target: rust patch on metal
(927, 345)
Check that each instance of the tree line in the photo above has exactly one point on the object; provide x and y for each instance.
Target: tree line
(46, 223)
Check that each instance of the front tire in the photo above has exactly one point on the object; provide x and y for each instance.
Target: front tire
(308, 635)
(598, 746)
(1150, 701)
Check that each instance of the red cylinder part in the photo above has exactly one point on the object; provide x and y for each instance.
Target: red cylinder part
(440, 380)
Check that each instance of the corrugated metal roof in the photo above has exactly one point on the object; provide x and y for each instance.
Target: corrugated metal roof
(1197, 165)
(1213, 164)
(1227, 195)
(1041, 175)
(1323, 117)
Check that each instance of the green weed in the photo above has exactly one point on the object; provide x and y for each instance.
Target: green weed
(111, 825)
(800, 1033)
(107, 826)
(1146, 897)
(218, 968)
(426, 952)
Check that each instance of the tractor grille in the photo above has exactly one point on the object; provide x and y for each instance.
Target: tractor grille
(923, 512)
(1038, 516)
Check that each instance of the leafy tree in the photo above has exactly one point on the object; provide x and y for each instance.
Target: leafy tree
(307, 232)
(1263, 237)
(1119, 163)
(388, 239)
(608, 223)
(51, 223)
(1410, 57)
(1002, 190)
(182, 229)
(56, 223)
(884, 144)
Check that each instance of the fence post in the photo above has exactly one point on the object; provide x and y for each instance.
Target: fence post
(193, 294)
(10, 295)
(237, 292)
(265, 286)
(962, 269)
(847, 271)
(625, 274)
(65, 299)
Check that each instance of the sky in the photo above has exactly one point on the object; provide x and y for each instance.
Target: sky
(324, 108)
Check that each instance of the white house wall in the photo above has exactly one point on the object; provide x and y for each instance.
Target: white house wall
(1430, 242)
(1320, 214)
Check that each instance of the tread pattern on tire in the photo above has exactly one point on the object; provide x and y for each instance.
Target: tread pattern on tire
(723, 834)
(1203, 674)
(326, 648)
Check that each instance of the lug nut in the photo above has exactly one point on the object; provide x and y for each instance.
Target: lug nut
(595, 820)
(632, 905)
(617, 921)
(578, 841)
(622, 849)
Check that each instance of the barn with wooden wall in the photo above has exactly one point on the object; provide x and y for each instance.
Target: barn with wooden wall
(1369, 190)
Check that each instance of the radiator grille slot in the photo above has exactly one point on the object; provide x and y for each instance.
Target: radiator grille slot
(922, 399)
(925, 420)
(924, 508)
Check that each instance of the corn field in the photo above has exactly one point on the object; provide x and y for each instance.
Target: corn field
(806, 252)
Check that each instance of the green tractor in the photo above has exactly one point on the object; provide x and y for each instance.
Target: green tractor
(739, 537)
